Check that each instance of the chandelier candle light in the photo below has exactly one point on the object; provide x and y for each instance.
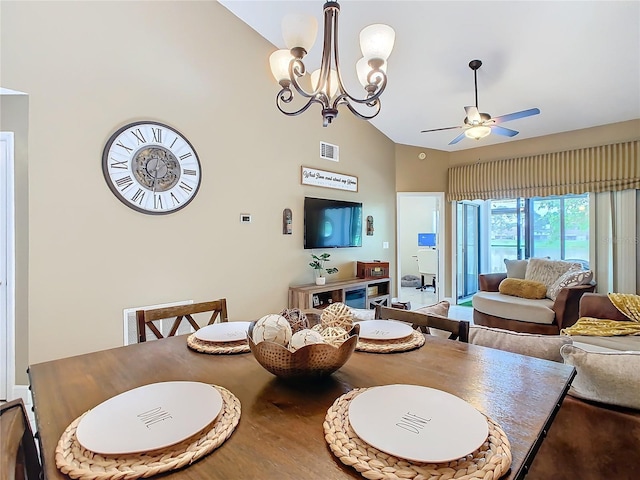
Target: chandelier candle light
(376, 43)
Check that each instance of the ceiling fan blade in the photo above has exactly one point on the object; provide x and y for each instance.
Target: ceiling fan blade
(514, 116)
(438, 129)
(457, 139)
(473, 115)
(507, 132)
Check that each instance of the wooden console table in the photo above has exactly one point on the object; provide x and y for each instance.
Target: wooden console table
(357, 293)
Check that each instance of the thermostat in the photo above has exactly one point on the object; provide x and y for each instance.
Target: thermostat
(245, 218)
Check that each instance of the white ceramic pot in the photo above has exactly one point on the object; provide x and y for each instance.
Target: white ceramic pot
(321, 280)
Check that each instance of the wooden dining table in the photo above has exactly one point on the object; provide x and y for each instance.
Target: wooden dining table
(280, 433)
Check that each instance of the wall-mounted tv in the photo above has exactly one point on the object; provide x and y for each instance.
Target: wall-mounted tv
(332, 223)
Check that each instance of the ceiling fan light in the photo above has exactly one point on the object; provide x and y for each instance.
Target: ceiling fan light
(299, 31)
(279, 63)
(376, 41)
(477, 132)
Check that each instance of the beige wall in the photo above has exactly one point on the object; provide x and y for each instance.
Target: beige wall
(91, 67)
(14, 117)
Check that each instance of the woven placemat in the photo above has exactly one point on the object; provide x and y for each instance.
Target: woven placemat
(202, 346)
(73, 460)
(415, 340)
(489, 462)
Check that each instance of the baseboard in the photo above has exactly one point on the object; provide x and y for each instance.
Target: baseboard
(23, 392)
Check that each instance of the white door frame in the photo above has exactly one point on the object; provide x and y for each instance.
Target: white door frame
(440, 238)
(7, 267)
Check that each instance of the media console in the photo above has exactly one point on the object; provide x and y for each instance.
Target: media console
(356, 293)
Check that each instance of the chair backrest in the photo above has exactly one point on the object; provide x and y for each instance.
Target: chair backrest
(459, 329)
(428, 261)
(145, 318)
(18, 454)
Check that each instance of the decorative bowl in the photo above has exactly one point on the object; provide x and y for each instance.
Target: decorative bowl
(316, 360)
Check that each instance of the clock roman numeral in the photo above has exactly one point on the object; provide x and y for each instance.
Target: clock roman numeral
(138, 196)
(186, 155)
(157, 134)
(174, 142)
(120, 144)
(186, 171)
(139, 136)
(157, 202)
(124, 183)
(117, 164)
(185, 187)
(175, 200)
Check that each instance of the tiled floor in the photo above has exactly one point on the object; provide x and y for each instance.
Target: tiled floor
(420, 298)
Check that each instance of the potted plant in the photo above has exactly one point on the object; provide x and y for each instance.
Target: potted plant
(318, 265)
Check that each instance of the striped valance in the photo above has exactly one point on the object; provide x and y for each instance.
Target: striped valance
(594, 169)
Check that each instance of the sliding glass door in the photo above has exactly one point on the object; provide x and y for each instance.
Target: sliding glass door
(468, 248)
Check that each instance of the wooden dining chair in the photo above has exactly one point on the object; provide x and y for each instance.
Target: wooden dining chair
(459, 329)
(18, 454)
(145, 318)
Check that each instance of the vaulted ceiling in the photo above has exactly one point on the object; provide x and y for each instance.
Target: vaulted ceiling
(577, 61)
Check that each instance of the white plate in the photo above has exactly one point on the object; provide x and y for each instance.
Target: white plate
(384, 329)
(149, 417)
(417, 423)
(223, 332)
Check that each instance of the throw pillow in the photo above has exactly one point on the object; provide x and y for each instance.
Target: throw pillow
(612, 378)
(548, 271)
(540, 346)
(516, 268)
(362, 314)
(440, 309)
(517, 287)
(569, 279)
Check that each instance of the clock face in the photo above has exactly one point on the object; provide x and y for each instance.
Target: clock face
(151, 168)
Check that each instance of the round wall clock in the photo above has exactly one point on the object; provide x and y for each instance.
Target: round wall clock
(151, 168)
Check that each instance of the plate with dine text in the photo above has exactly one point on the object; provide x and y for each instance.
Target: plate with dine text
(149, 418)
(417, 423)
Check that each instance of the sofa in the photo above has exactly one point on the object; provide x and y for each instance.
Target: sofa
(557, 309)
(591, 439)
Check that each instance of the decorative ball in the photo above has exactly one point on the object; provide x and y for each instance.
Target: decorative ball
(272, 328)
(337, 315)
(334, 335)
(304, 337)
(318, 327)
(296, 318)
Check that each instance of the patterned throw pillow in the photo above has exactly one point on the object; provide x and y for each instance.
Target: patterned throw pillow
(518, 287)
(516, 268)
(530, 344)
(569, 279)
(611, 378)
(440, 309)
(548, 271)
(360, 314)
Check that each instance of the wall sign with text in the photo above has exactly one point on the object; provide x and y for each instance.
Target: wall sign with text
(322, 178)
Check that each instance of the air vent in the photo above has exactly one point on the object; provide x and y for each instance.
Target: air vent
(329, 152)
(131, 328)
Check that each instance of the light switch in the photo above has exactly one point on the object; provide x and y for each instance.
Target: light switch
(385, 244)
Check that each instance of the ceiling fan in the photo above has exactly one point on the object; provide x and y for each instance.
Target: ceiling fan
(478, 125)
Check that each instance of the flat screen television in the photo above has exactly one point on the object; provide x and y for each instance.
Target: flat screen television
(332, 223)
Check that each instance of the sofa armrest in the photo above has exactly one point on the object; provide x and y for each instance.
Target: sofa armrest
(489, 282)
(567, 304)
(598, 305)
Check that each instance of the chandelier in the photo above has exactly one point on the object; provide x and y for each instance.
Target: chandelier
(326, 86)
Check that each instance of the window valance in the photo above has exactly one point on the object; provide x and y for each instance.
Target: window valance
(595, 169)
